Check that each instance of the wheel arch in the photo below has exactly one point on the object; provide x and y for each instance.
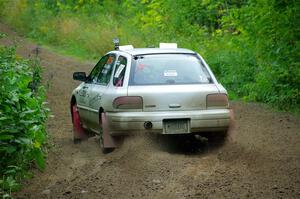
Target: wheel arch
(72, 102)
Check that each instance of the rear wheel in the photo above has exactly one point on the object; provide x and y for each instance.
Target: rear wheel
(78, 131)
(216, 138)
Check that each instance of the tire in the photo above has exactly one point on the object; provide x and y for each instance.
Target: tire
(215, 139)
(78, 131)
(76, 140)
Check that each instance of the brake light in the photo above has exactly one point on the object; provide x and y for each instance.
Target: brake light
(217, 100)
(128, 102)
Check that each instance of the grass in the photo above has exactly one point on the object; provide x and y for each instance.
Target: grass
(244, 57)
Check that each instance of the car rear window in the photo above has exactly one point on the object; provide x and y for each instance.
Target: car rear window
(165, 69)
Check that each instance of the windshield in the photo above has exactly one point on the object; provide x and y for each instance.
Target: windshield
(164, 69)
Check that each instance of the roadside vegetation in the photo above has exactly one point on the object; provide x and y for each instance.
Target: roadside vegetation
(251, 45)
(22, 119)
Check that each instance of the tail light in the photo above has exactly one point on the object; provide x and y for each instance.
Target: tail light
(128, 102)
(217, 100)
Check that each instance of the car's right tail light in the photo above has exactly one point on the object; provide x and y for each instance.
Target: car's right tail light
(128, 102)
(218, 100)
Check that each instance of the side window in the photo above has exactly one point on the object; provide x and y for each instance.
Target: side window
(106, 69)
(119, 74)
(96, 70)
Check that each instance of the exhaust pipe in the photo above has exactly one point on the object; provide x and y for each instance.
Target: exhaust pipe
(148, 125)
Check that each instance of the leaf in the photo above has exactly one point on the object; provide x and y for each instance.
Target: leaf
(10, 149)
(27, 121)
(39, 159)
(24, 140)
(10, 130)
(3, 118)
(25, 113)
(11, 183)
(6, 137)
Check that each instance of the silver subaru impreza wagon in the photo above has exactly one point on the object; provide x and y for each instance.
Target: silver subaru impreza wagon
(165, 90)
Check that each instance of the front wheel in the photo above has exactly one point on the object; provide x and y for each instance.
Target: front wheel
(78, 131)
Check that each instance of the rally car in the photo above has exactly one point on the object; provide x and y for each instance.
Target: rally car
(164, 90)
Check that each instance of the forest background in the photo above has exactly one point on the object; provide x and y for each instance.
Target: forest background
(251, 45)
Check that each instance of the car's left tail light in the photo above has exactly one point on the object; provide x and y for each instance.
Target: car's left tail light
(128, 102)
(218, 100)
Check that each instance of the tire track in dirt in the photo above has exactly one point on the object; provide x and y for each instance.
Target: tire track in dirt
(262, 162)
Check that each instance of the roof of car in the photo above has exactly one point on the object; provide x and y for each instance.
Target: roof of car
(143, 51)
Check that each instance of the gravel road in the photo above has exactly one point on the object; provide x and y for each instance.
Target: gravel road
(260, 160)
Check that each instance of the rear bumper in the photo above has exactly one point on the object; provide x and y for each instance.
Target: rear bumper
(200, 120)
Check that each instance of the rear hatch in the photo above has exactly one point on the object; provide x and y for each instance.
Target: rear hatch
(173, 97)
(169, 82)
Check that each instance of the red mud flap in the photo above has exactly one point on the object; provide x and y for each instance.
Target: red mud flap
(108, 140)
(78, 130)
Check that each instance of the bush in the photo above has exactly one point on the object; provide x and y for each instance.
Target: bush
(22, 118)
(251, 45)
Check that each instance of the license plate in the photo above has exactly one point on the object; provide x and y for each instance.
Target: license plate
(176, 126)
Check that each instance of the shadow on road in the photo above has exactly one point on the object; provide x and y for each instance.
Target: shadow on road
(188, 144)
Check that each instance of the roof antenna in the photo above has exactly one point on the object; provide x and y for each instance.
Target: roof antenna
(117, 43)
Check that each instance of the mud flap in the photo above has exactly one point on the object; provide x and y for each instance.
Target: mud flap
(108, 140)
(231, 130)
(79, 132)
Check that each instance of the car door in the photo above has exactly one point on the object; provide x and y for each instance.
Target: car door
(98, 89)
(84, 94)
(82, 102)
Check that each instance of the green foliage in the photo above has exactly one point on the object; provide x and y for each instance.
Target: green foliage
(251, 45)
(22, 119)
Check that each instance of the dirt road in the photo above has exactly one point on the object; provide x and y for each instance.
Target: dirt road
(263, 160)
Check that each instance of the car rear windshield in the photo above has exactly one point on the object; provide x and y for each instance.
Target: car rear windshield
(165, 69)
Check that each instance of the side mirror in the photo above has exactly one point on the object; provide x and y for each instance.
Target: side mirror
(80, 76)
